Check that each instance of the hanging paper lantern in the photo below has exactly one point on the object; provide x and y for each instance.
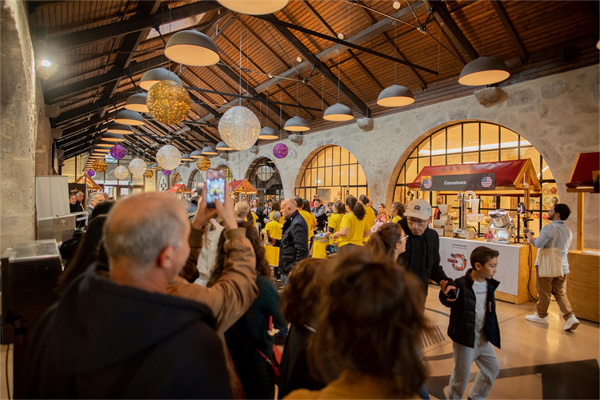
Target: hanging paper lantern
(118, 151)
(280, 150)
(149, 174)
(121, 172)
(166, 172)
(137, 166)
(168, 102)
(239, 127)
(99, 165)
(264, 173)
(168, 157)
(91, 173)
(203, 163)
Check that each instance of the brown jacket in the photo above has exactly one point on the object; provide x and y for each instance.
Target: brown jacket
(231, 296)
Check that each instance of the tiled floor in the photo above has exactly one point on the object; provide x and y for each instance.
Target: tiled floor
(536, 361)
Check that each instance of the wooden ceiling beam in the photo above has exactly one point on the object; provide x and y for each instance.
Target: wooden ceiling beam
(309, 56)
(138, 22)
(442, 15)
(510, 29)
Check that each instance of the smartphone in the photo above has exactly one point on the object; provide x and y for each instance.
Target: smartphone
(453, 294)
(215, 186)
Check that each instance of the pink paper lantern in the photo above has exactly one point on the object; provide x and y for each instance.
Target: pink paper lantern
(166, 172)
(118, 151)
(91, 173)
(280, 150)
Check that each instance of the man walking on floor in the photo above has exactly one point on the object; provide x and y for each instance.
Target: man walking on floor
(557, 235)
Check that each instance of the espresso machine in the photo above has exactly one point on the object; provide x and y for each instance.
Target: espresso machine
(502, 226)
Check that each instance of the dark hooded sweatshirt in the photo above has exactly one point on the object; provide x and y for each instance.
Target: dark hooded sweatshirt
(103, 340)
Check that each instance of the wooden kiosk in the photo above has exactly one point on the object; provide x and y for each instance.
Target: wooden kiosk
(511, 178)
(582, 283)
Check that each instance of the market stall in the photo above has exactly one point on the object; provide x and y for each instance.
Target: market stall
(242, 186)
(582, 283)
(464, 227)
(179, 188)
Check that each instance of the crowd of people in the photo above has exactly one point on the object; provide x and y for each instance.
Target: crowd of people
(174, 300)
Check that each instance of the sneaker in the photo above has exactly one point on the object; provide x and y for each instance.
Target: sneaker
(536, 318)
(572, 323)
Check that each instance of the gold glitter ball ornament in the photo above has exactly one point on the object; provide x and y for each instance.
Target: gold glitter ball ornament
(168, 102)
(99, 165)
(149, 174)
(203, 163)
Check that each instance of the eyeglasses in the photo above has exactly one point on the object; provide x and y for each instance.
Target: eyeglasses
(404, 238)
(417, 221)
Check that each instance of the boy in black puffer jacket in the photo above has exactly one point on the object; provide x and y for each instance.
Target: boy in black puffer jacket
(474, 325)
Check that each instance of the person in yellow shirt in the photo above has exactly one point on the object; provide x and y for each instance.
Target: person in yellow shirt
(273, 230)
(370, 213)
(334, 223)
(310, 219)
(353, 227)
(397, 211)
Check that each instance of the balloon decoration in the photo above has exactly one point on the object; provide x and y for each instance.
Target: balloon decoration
(168, 157)
(280, 150)
(121, 172)
(203, 163)
(239, 127)
(99, 165)
(168, 102)
(166, 172)
(149, 174)
(91, 173)
(137, 166)
(118, 151)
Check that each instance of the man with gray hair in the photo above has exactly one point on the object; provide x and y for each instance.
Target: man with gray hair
(122, 336)
(242, 209)
(95, 198)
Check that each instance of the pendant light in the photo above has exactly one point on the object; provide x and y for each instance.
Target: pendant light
(156, 75)
(209, 151)
(296, 124)
(196, 154)
(186, 157)
(267, 133)
(128, 117)
(483, 71)
(222, 146)
(104, 145)
(121, 129)
(338, 111)
(254, 7)
(191, 47)
(113, 137)
(395, 95)
(137, 102)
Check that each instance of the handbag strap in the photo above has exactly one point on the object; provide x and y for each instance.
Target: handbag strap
(249, 345)
(553, 236)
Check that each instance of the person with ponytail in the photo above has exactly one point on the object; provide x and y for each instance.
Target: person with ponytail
(389, 241)
(334, 222)
(354, 225)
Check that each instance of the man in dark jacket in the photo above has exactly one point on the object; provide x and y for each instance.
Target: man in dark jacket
(422, 255)
(122, 336)
(294, 242)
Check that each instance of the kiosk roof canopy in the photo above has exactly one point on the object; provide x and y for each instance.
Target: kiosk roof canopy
(179, 188)
(582, 176)
(509, 174)
(242, 186)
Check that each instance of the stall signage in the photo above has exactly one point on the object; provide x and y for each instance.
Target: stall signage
(456, 183)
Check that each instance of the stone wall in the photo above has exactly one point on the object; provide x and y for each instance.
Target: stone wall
(18, 129)
(558, 114)
(43, 149)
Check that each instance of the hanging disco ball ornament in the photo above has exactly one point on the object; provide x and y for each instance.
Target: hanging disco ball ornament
(168, 102)
(264, 173)
(166, 172)
(118, 151)
(137, 166)
(149, 174)
(168, 157)
(99, 165)
(121, 172)
(91, 173)
(203, 163)
(280, 150)
(239, 127)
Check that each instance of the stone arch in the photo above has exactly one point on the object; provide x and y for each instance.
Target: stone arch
(262, 186)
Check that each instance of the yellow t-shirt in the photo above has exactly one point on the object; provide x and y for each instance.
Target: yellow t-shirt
(254, 218)
(335, 222)
(356, 230)
(310, 221)
(369, 218)
(397, 218)
(281, 219)
(274, 229)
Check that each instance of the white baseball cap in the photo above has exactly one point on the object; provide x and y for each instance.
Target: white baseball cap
(419, 208)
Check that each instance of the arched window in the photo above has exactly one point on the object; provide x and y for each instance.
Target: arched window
(196, 179)
(332, 174)
(264, 176)
(228, 174)
(475, 142)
